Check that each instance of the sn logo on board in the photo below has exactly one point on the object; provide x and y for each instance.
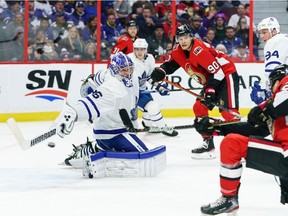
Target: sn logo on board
(51, 85)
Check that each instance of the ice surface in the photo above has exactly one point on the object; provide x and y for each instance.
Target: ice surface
(33, 184)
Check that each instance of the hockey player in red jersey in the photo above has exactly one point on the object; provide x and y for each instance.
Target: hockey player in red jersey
(125, 42)
(214, 70)
(269, 156)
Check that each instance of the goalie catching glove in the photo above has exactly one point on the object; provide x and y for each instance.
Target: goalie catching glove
(65, 121)
(87, 86)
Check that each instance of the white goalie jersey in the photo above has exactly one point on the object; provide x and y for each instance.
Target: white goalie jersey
(143, 69)
(103, 105)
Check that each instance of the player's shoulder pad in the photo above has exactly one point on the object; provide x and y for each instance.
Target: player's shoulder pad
(124, 38)
(176, 46)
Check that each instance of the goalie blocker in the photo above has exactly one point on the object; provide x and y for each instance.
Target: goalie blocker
(126, 164)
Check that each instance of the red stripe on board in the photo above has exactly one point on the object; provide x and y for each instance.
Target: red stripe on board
(55, 92)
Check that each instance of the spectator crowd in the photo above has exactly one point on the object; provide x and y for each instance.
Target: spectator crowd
(67, 30)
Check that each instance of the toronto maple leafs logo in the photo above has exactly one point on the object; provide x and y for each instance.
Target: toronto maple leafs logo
(143, 78)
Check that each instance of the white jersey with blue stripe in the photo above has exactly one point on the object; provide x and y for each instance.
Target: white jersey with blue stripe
(103, 105)
(275, 53)
(143, 68)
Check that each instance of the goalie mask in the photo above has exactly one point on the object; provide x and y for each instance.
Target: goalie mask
(269, 23)
(122, 67)
(278, 73)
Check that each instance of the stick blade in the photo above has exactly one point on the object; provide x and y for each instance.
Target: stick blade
(12, 124)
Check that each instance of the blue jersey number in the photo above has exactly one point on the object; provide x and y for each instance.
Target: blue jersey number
(96, 94)
(269, 55)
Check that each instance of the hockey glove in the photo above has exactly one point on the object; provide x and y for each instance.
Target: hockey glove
(203, 126)
(258, 117)
(163, 89)
(209, 98)
(269, 109)
(157, 75)
(258, 95)
(65, 121)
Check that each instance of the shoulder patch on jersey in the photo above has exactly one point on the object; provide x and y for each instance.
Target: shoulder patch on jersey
(197, 50)
(125, 38)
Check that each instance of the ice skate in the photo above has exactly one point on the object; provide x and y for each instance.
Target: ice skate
(224, 204)
(75, 159)
(205, 151)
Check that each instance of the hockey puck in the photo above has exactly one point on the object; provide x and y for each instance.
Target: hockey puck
(51, 144)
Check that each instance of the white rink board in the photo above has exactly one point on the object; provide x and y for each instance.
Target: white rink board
(23, 86)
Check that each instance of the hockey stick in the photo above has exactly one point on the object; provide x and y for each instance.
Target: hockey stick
(26, 144)
(13, 39)
(198, 96)
(128, 124)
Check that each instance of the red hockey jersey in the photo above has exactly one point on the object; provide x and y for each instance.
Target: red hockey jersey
(124, 44)
(202, 61)
(280, 124)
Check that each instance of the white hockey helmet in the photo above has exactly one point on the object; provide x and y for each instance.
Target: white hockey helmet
(140, 43)
(269, 23)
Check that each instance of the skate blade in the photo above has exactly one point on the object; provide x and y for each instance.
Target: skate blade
(234, 213)
(204, 156)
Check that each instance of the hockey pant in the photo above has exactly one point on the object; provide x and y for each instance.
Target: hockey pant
(260, 154)
(125, 142)
(227, 95)
(151, 113)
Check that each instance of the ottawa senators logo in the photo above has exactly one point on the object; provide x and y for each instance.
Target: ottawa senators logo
(198, 77)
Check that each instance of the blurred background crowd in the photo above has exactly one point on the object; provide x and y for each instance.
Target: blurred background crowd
(67, 30)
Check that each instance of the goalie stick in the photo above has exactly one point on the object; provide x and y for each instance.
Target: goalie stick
(128, 124)
(198, 96)
(26, 144)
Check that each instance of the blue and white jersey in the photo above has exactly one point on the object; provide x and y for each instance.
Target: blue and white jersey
(143, 68)
(103, 105)
(99, 77)
(275, 53)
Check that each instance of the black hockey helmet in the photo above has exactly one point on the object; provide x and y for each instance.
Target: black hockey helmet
(278, 73)
(183, 30)
(131, 23)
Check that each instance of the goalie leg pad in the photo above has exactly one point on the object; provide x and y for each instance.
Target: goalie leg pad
(126, 142)
(128, 164)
